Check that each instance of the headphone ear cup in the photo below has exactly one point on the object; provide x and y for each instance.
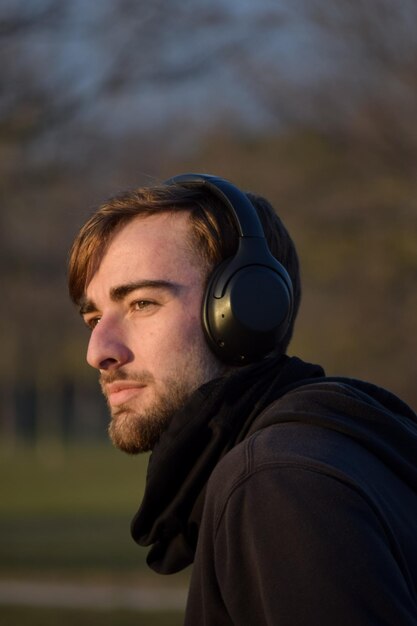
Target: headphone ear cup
(251, 315)
(248, 302)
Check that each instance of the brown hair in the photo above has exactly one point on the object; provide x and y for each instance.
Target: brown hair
(213, 234)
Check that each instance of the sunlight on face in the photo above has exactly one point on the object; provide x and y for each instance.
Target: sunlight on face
(143, 305)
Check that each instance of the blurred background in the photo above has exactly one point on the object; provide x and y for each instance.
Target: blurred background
(311, 103)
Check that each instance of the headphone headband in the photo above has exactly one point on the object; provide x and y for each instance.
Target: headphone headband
(240, 207)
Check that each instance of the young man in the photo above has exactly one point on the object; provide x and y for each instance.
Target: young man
(294, 494)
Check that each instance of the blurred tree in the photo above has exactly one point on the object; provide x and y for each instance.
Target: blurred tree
(360, 78)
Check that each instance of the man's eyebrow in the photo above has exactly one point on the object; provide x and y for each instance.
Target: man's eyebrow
(121, 291)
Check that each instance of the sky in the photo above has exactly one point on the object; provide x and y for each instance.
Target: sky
(135, 65)
(195, 59)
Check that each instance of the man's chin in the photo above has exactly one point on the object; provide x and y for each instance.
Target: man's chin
(135, 429)
(133, 433)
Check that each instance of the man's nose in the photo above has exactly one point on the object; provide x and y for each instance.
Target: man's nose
(107, 348)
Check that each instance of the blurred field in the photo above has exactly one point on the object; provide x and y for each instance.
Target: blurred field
(69, 508)
(65, 516)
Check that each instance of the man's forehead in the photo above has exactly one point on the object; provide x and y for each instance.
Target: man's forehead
(152, 250)
(162, 230)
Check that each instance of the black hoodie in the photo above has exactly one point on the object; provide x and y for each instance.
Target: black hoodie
(310, 512)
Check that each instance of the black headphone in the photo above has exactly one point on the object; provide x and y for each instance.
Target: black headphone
(248, 303)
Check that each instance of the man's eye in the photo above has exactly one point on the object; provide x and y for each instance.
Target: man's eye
(92, 322)
(141, 305)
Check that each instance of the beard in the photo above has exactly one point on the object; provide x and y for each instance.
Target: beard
(133, 430)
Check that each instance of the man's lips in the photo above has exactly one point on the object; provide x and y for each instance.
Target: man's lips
(120, 392)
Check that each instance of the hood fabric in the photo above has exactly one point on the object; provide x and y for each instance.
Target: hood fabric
(225, 411)
(370, 415)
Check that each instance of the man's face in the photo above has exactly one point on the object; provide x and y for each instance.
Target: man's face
(143, 306)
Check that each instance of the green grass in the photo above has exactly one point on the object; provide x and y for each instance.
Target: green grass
(68, 511)
(45, 543)
(81, 480)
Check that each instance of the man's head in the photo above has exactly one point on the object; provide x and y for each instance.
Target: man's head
(138, 271)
